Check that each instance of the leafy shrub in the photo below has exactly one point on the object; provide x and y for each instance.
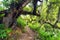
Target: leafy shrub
(34, 26)
(4, 32)
(21, 22)
(46, 32)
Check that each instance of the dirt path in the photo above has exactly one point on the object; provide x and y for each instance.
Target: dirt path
(28, 35)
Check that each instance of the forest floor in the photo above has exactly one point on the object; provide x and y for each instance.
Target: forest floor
(18, 35)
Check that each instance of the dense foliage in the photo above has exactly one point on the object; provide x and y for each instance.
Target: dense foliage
(47, 25)
(4, 31)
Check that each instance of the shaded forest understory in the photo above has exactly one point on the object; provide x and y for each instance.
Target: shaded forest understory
(41, 23)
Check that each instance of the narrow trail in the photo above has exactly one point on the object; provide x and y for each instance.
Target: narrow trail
(17, 35)
(28, 35)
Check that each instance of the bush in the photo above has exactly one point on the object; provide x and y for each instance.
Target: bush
(21, 22)
(34, 26)
(4, 32)
(46, 32)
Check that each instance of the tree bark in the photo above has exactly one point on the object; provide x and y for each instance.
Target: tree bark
(10, 18)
